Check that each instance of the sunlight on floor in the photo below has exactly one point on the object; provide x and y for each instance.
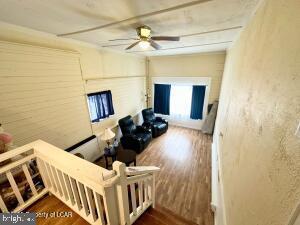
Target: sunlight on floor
(179, 152)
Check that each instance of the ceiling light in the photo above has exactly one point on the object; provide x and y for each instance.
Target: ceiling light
(144, 44)
(145, 31)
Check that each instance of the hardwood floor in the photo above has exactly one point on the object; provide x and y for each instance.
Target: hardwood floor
(182, 186)
(161, 216)
(49, 205)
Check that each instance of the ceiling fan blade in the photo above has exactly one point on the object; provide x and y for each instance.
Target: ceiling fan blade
(123, 39)
(115, 45)
(165, 38)
(154, 44)
(131, 46)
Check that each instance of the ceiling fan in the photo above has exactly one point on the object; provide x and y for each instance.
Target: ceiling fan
(145, 39)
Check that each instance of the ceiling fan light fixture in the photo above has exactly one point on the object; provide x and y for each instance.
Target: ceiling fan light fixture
(145, 39)
(144, 44)
(144, 31)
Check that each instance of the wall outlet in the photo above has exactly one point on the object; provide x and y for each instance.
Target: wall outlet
(297, 133)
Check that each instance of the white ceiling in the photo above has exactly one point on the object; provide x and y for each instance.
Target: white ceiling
(222, 19)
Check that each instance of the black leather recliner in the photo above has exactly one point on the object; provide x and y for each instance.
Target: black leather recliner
(158, 125)
(134, 137)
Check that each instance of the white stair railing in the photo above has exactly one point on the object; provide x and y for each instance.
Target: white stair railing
(98, 195)
(80, 185)
(17, 162)
(135, 190)
(141, 183)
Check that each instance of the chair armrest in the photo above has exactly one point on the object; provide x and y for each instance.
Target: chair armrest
(132, 137)
(160, 119)
(147, 125)
(142, 129)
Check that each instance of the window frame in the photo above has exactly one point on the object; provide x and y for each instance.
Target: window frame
(88, 105)
(185, 80)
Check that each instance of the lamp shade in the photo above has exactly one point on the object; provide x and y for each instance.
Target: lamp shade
(108, 134)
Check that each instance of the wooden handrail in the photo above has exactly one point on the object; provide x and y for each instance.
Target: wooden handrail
(16, 163)
(81, 184)
(137, 178)
(137, 170)
(13, 153)
(71, 162)
(20, 164)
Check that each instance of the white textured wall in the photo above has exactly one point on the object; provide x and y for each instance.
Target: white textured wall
(258, 115)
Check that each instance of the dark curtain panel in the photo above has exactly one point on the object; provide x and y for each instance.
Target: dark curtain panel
(110, 107)
(100, 105)
(162, 98)
(197, 102)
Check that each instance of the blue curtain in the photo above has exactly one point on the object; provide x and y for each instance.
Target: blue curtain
(162, 98)
(100, 105)
(198, 96)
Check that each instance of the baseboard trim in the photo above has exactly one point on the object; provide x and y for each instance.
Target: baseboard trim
(295, 215)
(218, 202)
(179, 124)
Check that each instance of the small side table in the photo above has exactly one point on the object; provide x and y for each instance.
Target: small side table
(127, 156)
(110, 153)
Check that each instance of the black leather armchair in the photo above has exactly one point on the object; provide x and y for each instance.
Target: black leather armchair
(158, 125)
(134, 137)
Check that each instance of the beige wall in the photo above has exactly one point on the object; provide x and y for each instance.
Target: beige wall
(258, 115)
(42, 94)
(195, 65)
(82, 69)
(128, 97)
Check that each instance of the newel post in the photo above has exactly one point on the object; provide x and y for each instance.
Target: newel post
(122, 193)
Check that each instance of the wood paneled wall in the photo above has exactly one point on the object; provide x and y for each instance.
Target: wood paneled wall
(128, 97)
(44, 81)
(42, 95)
(122, 64)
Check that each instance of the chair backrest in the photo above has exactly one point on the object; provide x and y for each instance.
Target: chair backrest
(148, 115)
(127, 125)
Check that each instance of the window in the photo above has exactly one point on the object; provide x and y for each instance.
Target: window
(100, 105)
(180, 101)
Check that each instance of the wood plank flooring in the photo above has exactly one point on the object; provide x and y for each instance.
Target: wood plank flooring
(182, 186)
(161, 216)
(52, 205)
